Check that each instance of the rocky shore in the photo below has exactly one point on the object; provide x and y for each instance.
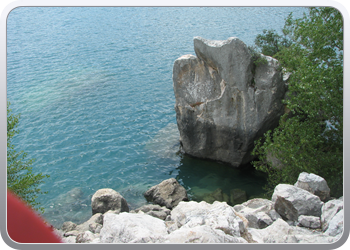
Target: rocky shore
(300, 213)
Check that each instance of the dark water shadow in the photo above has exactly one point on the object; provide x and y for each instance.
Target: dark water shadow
(211, 180)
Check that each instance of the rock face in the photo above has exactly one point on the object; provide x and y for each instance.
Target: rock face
(223, 101)
(168, 193)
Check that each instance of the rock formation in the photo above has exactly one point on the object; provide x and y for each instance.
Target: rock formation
(293, 215)
(224, 102)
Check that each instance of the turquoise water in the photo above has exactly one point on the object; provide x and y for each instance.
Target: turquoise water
(94, 89)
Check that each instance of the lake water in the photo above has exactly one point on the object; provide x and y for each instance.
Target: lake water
(94, 89)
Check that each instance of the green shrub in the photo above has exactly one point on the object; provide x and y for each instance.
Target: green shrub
(311, 139)
(20, 177)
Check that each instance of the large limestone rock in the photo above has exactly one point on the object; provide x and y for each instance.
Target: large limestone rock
(314, 184)
(291, 202)
(108, 199)
(223, 101)
(218, 216)
(132, 228)
(168, 193)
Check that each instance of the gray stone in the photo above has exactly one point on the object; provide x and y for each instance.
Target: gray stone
(314, 184)
(201, 234)
(224, 102)
(154, 210)
(68, 226)
(168, 193)
(85, 237)
(329, 210)
(69, 239)
(71, 233)
(309, 221)
(291, 202)
(107, 199)
(336, 224)
(281, 232)
(96, 218)
(95, 227)
(218, 215)
(132, 228)
(256, 211)
(274, 215)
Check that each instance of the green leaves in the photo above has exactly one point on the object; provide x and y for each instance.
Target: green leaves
(311, 138)
(271, 43)
(20, 177)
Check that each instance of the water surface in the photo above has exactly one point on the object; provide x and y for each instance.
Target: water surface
(94, 89)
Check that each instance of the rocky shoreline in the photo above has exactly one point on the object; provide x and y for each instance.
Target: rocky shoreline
(300, 213)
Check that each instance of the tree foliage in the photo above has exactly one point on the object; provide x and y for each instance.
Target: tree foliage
(20, 177)
(271, 43)
(310, 137)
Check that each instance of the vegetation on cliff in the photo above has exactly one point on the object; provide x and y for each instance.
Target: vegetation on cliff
(20, 177)
(309, 138)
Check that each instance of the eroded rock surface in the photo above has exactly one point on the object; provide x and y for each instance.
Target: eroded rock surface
(168, 193)
(223, 101)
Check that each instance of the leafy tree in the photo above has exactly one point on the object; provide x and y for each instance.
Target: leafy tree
(20, 177)
(310, 137)
(271, 43)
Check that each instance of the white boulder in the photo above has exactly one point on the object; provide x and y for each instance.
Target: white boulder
(218, 215)
(132, 228)
(314, 184)
(291, 202)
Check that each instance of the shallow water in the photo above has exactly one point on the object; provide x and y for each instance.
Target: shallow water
(94, 89)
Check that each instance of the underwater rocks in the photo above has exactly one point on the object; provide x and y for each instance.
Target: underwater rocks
(224, 102)
(68, 206)
(237, 196)
(254, 221)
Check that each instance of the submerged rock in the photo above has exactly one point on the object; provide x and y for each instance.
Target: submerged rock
(237, 196)
(216, 195)
(223, 101)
